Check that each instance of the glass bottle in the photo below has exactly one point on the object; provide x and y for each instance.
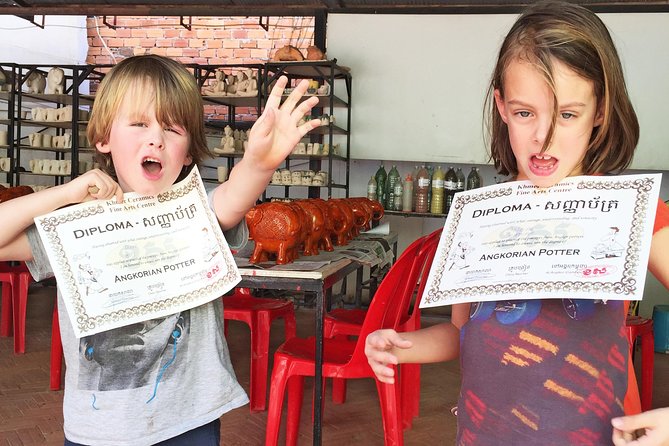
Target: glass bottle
(393, 179)
(381, 177)
(473, 179)
(449, 185)
(407, 194)
(437, 201)
(397, 195)
(422, 186)
(414, 175)
(371, 189)
(430, 172)
(461, 180)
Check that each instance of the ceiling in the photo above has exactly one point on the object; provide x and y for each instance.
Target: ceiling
(294, 7)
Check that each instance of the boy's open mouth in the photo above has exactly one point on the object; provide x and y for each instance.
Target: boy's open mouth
(152, 165)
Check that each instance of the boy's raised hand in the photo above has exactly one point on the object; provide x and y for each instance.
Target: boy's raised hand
(378, 348)
(654, 423)
(275, 134)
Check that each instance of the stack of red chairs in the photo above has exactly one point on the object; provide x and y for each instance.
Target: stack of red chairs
(16, 281)
(340, 323)
(344, 358)
(258, 313)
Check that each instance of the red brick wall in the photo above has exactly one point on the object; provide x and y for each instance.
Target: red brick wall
(211, 40)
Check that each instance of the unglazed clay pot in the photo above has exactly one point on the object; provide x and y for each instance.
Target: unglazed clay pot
(314, 226)
(55, 81)
(276, 229)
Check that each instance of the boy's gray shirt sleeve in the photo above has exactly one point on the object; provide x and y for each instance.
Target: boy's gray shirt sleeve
(39, 266)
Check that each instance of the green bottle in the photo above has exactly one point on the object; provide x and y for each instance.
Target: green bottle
(393, 179)
(381, 192)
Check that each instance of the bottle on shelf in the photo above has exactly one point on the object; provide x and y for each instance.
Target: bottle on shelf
(407, 194)
(422, 186)
(450, 184)
(393, 179)
(414, 175)
(398, 195)
(437, 199)
(381, 177)
(473, 179)
(461, 180)
(371, 189)
(430, 172)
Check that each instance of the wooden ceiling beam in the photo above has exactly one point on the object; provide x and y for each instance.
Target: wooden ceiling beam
(211, 9)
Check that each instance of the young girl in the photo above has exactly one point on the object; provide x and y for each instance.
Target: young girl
(558, 108)
(168, 378)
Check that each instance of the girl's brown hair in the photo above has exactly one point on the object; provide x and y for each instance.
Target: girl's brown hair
(576, 37)
(168, 84)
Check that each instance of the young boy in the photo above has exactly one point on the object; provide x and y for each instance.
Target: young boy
(169, 378)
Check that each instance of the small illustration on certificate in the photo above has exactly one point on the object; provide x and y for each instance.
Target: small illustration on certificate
(585, 240)
(151, 256)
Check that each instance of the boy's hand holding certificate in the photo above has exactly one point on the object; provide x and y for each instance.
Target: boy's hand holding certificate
(148, 257)
(584, 238)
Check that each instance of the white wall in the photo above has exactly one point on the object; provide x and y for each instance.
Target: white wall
(62, 41)
(419, 81)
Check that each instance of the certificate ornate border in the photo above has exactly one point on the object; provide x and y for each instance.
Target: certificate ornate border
(626, 286)
(88, 323)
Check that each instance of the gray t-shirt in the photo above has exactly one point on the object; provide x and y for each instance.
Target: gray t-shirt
(148, 382)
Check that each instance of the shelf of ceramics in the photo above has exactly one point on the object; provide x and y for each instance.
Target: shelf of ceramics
(289, 157)
(325, 130)
(323, 100)
(234, 101)
(5, 121)
(55, 124)
(56, 149)
(56, 98)
(309, 69)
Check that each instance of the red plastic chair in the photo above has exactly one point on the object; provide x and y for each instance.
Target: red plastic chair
(9, 280)
(348, 322)
(56, 367)
(343, 358)
(16, 281)
(258, 313)
(641, 327)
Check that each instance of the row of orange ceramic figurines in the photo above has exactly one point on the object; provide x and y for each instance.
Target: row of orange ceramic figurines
(281, 230)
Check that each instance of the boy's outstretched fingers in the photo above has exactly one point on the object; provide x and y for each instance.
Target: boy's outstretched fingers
(378, 348)
(652, 428)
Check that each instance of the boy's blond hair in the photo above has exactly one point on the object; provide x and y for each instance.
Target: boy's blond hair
(163, 81)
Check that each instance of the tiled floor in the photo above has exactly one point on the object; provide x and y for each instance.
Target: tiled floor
(30, 414)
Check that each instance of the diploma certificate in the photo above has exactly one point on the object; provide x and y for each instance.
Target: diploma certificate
(151, 256)
(587, 237)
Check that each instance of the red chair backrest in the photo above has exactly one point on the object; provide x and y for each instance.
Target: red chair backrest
(393, 296)
(431, 242)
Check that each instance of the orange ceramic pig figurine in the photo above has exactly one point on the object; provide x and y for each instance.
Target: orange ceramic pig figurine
(276, 229)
